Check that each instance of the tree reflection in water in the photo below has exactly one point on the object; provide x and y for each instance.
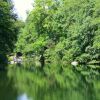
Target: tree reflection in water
(22, 84)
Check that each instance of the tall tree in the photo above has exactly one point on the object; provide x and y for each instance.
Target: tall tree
(8, 29)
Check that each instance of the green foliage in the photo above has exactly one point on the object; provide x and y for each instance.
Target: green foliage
(68, 28)
(84, 58)
(9, 29)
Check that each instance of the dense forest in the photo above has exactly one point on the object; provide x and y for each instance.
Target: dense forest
(62, 30)
(58, 30)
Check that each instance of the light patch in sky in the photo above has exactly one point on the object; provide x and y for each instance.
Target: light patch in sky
(22, 6)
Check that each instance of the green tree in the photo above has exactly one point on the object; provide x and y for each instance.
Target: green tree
(68, 28)
(8, 28)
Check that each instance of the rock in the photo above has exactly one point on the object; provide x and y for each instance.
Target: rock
(74, 63)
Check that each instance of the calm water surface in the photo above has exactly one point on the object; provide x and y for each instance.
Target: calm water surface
(21, 84)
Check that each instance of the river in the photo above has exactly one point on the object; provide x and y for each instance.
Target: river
(18, 83)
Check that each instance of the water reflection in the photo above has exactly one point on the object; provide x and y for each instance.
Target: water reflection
(70, 84)
(7, 90)
(23, 97)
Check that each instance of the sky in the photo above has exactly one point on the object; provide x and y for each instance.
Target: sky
(21, 7)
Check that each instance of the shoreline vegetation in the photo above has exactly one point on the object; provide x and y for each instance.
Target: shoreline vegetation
(55, 32)
(63, 31)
